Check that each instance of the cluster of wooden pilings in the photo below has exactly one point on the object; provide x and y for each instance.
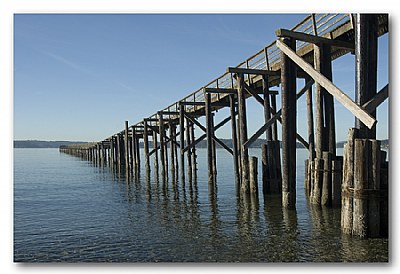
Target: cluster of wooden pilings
(358, 182)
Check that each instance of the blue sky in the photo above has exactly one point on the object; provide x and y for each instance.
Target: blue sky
(80, 76)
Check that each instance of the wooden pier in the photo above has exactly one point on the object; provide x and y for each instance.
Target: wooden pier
(357, 181)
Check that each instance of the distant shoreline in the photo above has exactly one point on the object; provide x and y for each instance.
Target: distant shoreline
(202, 144)
(42, 144)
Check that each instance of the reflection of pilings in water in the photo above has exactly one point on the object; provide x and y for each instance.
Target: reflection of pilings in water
(273, 213)
(247, 216)
(194, 193)
(148, 186)
(292, 247)
(214, 218)
(324, 221)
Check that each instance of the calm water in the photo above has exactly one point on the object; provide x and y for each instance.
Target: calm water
(67, 210)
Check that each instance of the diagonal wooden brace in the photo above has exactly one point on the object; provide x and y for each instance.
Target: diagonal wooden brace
(343, 98)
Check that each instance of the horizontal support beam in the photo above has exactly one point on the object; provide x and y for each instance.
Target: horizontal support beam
(170, 112)
(313, 39)
(221, 90)
(192, 103)
(319, 78)
(253, 71)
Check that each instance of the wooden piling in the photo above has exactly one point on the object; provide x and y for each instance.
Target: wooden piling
(337, 181)
(209, 133)
(172, 140)
(362, 161)
(320, 133)
(289, 128)
(267, 105)
(348, 183)
(182, 141)
(374, 186)
(126, 149)
(155, 148)
(265, 170)
(162, 144)
(137, 145)
(135, 150)
(310, 122)
(253, 176)
(311, 148)
(307, 180)
(326, 192)
(366, 52)
(146, 146)
(384, 205)
(367, 193)
(112, 154)
(176, 153)
(189, 152)
(193, 153)
(214, 150)
(118, 152)
(244, 153)
(318, 179)
(234, 140)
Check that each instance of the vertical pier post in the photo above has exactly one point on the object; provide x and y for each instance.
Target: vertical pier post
(162, 144)
(126, 149)
(311, 149)
(244, 152)
(362, 162)
(189, 152)
(155, 147)
(289, 129)
(118, 151)
(234, 140)
(137, 150)
(348, 183)
(319, 107)
(194, 155)
(325, 124)
(366, 66)
(112, 152)
(253, 168)
(146, 146)
(214, 149)
(182, 141)
(133, 146)
(209, 133)
(172, 133)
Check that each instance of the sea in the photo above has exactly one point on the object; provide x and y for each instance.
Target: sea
(66, 209)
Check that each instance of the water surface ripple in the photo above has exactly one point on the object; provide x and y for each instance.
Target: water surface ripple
(68, 210)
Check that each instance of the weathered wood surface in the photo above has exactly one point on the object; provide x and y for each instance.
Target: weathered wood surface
(289, 128)
(339, 95)
(314, 39)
